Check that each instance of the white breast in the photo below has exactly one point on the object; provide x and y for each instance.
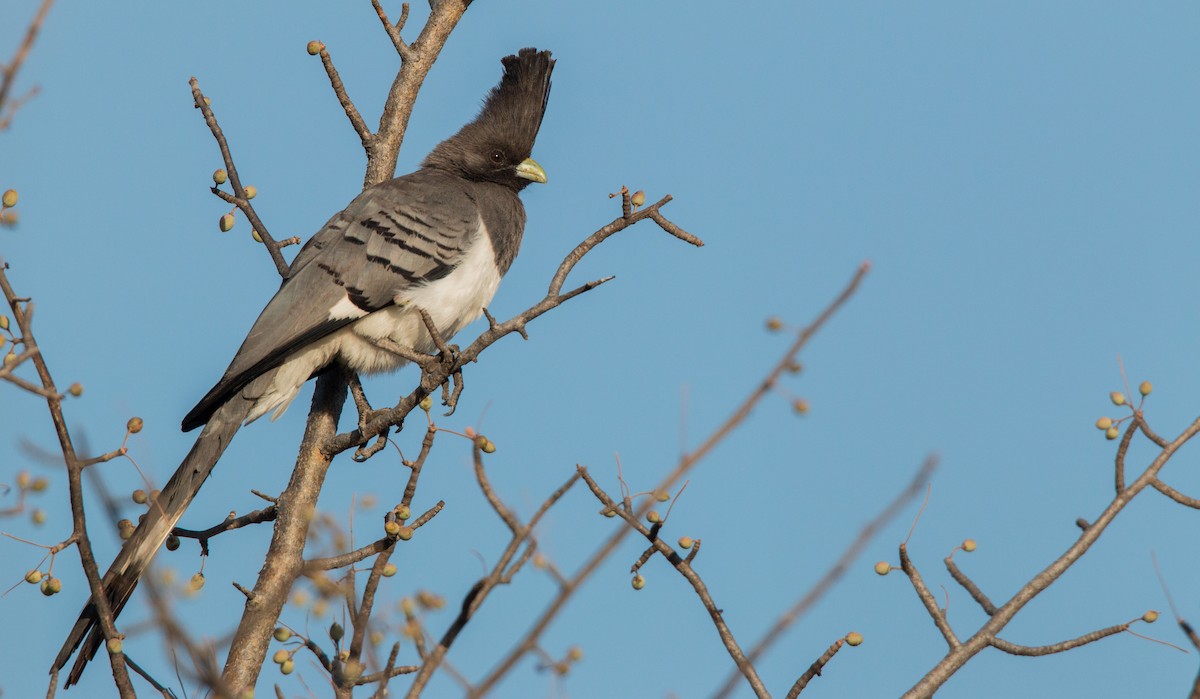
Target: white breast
(453, 302)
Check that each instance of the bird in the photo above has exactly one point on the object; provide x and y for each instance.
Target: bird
(438, 239)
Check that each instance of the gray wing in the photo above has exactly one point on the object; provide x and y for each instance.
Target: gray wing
(395, 236)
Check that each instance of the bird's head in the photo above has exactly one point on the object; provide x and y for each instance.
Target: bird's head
(497, 145)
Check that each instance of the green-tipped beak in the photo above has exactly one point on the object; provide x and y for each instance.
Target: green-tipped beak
(530, 170)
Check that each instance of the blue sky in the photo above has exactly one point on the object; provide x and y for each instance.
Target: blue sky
(1022, 179)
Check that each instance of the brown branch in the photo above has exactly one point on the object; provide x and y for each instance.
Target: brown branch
(483, 588)
(1031, 651)
(8, 74)
(79, 532)
(230, 523)
(957, 657)
(815, 669)
(688, 461)
(685, 569)
(339, 89)
(393, 30)
(970, 586)
(1175, 494)
(936, 613)
(239, 198)
(837, 570)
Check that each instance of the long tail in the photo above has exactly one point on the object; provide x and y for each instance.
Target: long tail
(137, 552)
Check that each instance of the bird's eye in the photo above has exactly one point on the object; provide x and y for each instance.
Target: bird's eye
(497, 157)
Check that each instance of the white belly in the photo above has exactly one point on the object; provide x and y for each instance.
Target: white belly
(452, 302)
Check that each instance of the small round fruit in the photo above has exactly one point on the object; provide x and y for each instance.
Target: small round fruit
(638, 198)
(281, 635)
(114, 646)
(1117, 398)
(392, 528)
(220, 176)
(172, 543)
(39, 484)
(135, 425)
(314, 47)
(197, 581)
(76, 389)
(426, 403)
(1112, 432)
(854, 638)
(257, 237)
(140, 497)
(774, 324)
(225, 223)
(685, 542)
(653, 517)
(968, 545)
(638, 582)
(38, 516)
(251, 192)
(800, 406)
(883, 568)
(33, 577)
(9, 198)
(662, 496)
(1150, 617)
(1145, 388)
(287, 667)
(389, 570)
(51, 586)
(1104, 423)
(336, 632)
(403, 512)
(574, 654)
(405, 533)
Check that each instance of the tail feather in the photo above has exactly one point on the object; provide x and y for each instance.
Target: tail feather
(164, 512)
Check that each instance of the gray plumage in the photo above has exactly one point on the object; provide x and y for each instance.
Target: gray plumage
(438, 239)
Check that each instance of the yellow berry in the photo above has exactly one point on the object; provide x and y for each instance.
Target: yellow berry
(638, 198)
(125, 529)
(23, 480)
(287, 667)
(403, 512)
(662, 496)
(1145, 388)
(638, 582)
(1117, 398)
(9, 198)
(1104, 423)
(392, 528)
(610, 513)
(854, 638)
(135, 425)
(574, 654)
(314, 47)
(389, 570)
(653, 517)
(114, 646)
(281, 635)
(685, 542)
(426, 403)
(51, 586)
(407, 606)
(33, 577)
(540, 562)
(800, 406)
(251, 192)
(774, 324)
(220, 176)
(10, 358)
(76, 389)
(39, 484)
(140, 497)
(197, 581)
(1112, 432)
(3, 322)
(254, 234)
(405, 533)
(1150, 617)
(225, 223)
(883, 568)
(968, 545)
(38, 516)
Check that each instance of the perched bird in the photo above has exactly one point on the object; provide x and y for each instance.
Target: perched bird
(438, 239)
